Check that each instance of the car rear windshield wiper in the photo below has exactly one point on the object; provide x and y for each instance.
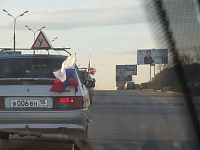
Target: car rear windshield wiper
(43, 74)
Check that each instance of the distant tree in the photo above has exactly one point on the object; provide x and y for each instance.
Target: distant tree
(159, 68)
(198, 56)
(186, 59)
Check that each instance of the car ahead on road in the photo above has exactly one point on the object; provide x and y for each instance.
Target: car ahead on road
(129, 85)
(27, 107)
(88, 81)
(90, 84)
(120, 85)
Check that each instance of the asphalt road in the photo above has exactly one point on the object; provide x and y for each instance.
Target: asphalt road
(141, 120)
(144, 120)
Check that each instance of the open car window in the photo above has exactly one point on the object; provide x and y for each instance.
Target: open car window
(175, 25)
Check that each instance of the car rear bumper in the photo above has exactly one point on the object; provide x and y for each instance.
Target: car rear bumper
(130, 87)
(43, 122)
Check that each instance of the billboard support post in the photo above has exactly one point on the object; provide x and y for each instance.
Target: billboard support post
(150, 72)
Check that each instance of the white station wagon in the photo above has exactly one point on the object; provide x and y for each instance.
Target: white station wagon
(27, 107)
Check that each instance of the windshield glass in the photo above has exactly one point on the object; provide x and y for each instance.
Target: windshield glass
(136, 82)
(29, 67)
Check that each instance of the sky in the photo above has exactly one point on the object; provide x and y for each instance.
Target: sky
(110, 31)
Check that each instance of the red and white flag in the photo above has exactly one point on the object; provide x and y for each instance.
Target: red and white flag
(65, 76)
(91, 69)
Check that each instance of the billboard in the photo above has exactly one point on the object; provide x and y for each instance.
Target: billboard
(125, 72)
(152, 56)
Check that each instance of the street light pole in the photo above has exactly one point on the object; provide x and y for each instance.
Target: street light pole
(15, 20)
(34, 32)
(54, 39)
(14, 33)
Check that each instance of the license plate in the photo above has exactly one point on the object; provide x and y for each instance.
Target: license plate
(29, 103)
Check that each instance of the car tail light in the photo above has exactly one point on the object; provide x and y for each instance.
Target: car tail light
(88, 88)
(2, 105)
(68, 102)
(64, 100)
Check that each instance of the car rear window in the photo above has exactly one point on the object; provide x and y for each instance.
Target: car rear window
(130, 83)
(29, 67)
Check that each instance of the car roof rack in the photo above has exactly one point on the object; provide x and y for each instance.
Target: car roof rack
(2, 50)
